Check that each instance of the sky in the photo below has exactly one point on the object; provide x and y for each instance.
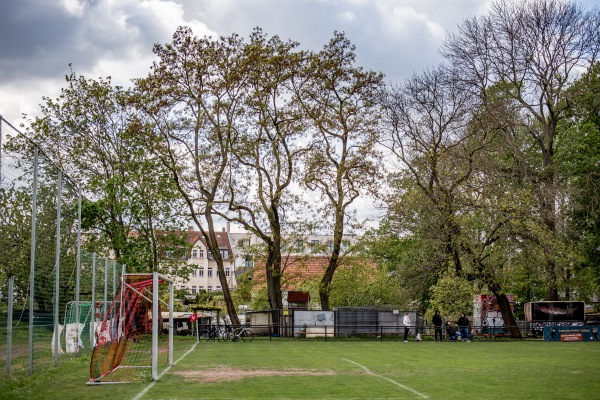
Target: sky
(101, 38)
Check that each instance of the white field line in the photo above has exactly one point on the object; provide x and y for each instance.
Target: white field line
(368, 371)
(147, 388)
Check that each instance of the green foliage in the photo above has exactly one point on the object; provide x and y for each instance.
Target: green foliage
(362, 284)
(452, 296)
(578, 158)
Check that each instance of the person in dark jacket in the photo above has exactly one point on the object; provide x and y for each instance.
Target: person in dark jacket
(463, 326)
(437, 325)
(451, 332)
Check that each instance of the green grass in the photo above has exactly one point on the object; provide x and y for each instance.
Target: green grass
(345, 370)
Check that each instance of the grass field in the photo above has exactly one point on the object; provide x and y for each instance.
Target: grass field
(304, 369)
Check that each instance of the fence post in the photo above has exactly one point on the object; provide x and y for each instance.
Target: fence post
(57, 270)
(105, 286)
(32, 258)
(9, 323)
(78, 276)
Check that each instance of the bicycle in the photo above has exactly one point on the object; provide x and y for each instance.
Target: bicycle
(245, 334)
(217, 333)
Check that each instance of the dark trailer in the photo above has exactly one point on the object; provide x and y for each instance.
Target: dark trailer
(558, 313)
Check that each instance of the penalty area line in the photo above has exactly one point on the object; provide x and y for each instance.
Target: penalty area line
(368, 371)
(147, 388)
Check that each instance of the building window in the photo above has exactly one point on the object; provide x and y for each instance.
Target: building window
(201, 272)
(169, 253)
(210, 256)
(314, 246)
(248, 262)
(201, 287)
(224, 254)
(218, 274)
(330, 247)
(194, 273)
(209, 288)
(226, 272)
(241, 243)
(210, 272)
(218, 287)
(194, 253)
(194, 289)
(200, 253)
(182, 287)
(298, 246)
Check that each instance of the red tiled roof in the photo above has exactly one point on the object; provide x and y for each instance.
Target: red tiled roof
(296, 269)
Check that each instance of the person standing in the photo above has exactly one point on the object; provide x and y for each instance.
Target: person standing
(437, 326)
(463, 326)
(406, 323)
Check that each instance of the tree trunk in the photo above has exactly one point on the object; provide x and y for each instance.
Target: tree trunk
(508, 316)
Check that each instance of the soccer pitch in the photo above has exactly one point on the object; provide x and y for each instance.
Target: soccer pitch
(305, 369)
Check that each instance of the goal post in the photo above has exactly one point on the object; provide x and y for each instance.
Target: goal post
(131, 343)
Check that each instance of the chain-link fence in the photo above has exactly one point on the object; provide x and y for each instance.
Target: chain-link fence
(50, 291)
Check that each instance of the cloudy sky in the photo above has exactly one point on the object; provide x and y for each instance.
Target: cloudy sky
(100, 38)
(39, 38)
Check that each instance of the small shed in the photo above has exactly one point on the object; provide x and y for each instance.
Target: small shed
(298, 300)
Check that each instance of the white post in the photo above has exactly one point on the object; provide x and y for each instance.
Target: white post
(93, 321)
(155, 326)
(170, 323)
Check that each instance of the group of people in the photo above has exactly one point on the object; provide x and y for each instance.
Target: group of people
(462, 329)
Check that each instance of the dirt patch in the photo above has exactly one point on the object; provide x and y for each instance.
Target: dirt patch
(223, 373)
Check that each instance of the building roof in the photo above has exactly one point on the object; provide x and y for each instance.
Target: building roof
(297, 269)
(193, 236)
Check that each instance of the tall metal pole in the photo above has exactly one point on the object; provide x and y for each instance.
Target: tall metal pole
(32, 258)
(78, 277)
(57, 269)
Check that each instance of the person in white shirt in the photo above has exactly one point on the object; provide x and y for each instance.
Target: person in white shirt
(406, 323)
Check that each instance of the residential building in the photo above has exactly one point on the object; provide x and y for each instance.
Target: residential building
(205, 274)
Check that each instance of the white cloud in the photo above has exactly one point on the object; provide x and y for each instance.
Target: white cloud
(346, 17)
(75, 8)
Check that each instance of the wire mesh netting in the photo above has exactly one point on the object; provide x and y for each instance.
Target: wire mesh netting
(50, 291)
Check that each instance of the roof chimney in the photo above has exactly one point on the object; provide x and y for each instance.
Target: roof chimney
(223, 229)
(191, 228)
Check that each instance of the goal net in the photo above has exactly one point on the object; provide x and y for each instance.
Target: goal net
(130, 343)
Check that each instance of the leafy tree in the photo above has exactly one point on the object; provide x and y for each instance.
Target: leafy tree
(533, 50)
(578, 157)
(267, 152)
(189, 107)
(341, 102)
(454, 200)
(86, 132)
